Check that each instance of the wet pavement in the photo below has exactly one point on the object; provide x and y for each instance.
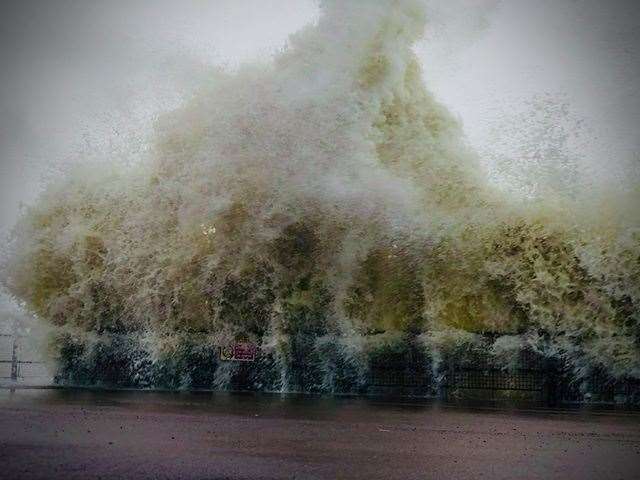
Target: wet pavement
(80, 434)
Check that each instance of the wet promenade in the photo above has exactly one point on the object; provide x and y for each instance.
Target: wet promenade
(80, 434)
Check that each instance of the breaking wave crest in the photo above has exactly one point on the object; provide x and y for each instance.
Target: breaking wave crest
(325, 198)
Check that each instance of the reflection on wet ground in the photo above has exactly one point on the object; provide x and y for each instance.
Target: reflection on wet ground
(288, 405)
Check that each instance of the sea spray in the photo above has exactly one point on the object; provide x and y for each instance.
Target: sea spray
(320, 206)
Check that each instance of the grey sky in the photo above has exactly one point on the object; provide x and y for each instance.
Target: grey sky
(84, 77)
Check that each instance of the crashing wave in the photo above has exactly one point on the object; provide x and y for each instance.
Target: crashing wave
(326, 204)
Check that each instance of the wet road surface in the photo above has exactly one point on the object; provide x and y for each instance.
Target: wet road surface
(71, 434)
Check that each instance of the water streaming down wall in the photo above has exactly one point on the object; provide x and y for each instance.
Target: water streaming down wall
(327, 208)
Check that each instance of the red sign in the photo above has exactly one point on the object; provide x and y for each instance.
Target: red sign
(239, 352)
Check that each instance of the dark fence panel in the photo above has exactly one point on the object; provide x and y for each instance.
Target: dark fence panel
(477, 374)
(403, 368)
(405, 373)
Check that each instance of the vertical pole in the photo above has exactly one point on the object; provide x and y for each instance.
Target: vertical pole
(14, 352)
(14, 359)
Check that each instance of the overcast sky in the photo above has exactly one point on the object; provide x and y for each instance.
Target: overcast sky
(82, 76)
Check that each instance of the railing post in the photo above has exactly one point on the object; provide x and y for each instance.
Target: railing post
(14, 359)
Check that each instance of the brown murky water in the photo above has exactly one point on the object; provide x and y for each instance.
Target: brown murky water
(71, 434)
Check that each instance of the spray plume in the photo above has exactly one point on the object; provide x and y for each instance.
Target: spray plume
(327, 194)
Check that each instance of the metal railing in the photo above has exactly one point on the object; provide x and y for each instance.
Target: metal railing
(406, 371)
(15, 362)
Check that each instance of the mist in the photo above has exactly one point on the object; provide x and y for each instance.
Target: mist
(202, 170)
(82, 79)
